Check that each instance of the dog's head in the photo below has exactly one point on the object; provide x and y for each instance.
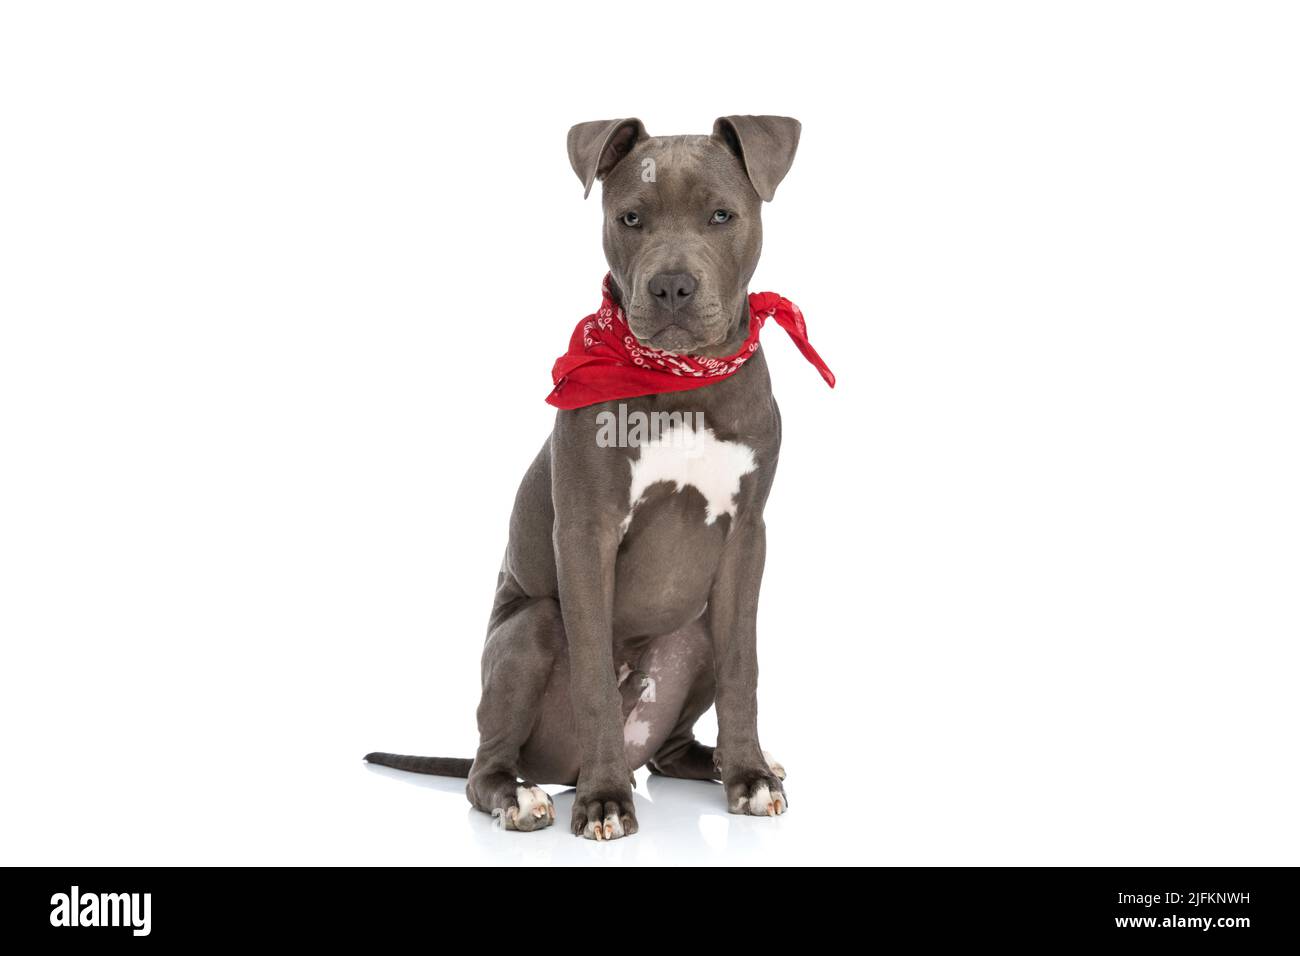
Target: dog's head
(682, 221)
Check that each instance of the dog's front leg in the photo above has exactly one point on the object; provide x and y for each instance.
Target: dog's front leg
(585, 551)
(751, 784)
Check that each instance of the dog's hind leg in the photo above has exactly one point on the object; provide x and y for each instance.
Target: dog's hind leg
(519, 659)
(686, 758)
(680, 754)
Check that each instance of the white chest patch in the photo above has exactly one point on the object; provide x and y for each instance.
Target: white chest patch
(695, 457)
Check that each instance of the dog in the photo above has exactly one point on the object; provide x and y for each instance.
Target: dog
(626, 601)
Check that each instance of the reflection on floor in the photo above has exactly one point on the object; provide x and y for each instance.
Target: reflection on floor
(681, 821)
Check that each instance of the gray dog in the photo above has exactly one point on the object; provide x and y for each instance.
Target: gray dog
(626, 601)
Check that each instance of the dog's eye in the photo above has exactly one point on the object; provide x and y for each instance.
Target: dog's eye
(631, 219)
(720, 216)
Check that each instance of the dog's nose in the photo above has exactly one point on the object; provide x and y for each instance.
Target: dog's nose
(672, 289)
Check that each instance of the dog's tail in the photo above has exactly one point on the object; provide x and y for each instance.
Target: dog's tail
(438, 766)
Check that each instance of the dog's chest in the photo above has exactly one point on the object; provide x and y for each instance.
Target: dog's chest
(691, 456)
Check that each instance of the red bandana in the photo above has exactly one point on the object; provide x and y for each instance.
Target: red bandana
(606, 362)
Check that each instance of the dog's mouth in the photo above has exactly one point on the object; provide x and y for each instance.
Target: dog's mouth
(672, 338)
(681, 335)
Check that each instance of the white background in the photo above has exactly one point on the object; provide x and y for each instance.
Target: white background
(281, 285)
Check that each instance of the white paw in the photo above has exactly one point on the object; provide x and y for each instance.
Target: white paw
(611, 828)
(761, 802)
(534, 811)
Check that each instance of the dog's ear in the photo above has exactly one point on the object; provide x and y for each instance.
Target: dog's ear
(765, 145)
(596, 147)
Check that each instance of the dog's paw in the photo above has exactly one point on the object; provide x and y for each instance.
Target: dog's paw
(531, 809)
(757, 793)
(603, 816)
